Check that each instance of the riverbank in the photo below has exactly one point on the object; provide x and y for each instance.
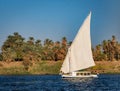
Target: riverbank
(52, 67)
(107, 67)
(42, 67)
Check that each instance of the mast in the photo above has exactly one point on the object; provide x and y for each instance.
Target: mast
(69, 60)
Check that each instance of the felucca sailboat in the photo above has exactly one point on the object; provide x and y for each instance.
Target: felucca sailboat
(79, 55)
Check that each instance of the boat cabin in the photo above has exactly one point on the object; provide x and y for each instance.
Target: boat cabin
(82, 73)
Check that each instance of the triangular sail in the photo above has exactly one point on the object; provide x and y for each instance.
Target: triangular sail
(79, 55)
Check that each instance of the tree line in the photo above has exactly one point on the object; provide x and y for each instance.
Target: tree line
(16, 48)
(108, 50)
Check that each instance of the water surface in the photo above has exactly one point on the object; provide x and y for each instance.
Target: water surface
(56, 83)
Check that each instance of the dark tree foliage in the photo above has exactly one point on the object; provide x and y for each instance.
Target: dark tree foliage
(16, 48)
(109, 50)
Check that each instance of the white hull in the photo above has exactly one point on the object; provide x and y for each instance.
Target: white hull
(80, 76)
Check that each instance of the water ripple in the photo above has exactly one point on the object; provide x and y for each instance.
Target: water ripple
(55, 83)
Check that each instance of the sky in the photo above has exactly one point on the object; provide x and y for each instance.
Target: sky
(55, 19)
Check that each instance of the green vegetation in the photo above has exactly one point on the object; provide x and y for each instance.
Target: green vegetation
(15, 48)
(53, 67)
(46, 67)
(106, 67)
(108, 50)
(42, 67)
(12, 70)
(44, 58)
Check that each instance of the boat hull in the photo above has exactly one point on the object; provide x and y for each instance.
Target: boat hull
(80, 76)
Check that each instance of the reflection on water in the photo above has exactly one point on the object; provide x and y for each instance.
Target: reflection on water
(79, 80)
(103, 83)
(56, 83)
(80, 84)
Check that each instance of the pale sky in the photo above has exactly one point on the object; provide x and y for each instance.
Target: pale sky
(55, 19)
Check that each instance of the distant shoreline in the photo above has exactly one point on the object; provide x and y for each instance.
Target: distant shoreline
(52, 68)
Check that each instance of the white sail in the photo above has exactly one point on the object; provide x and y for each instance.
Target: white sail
(79, 55)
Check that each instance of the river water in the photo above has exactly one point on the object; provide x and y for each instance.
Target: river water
(56, 83)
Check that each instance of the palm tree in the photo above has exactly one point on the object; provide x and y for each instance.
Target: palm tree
(56, 49)
(64, 47)
(57, 44)
(105, 49)
(110, 50)
(38, 50)
(117, 51)
(31, 40)
(64, 41)
(98, 53)
(16, 34)
(12, 47)
(38, 42)
(47, 49)
(48, 43)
